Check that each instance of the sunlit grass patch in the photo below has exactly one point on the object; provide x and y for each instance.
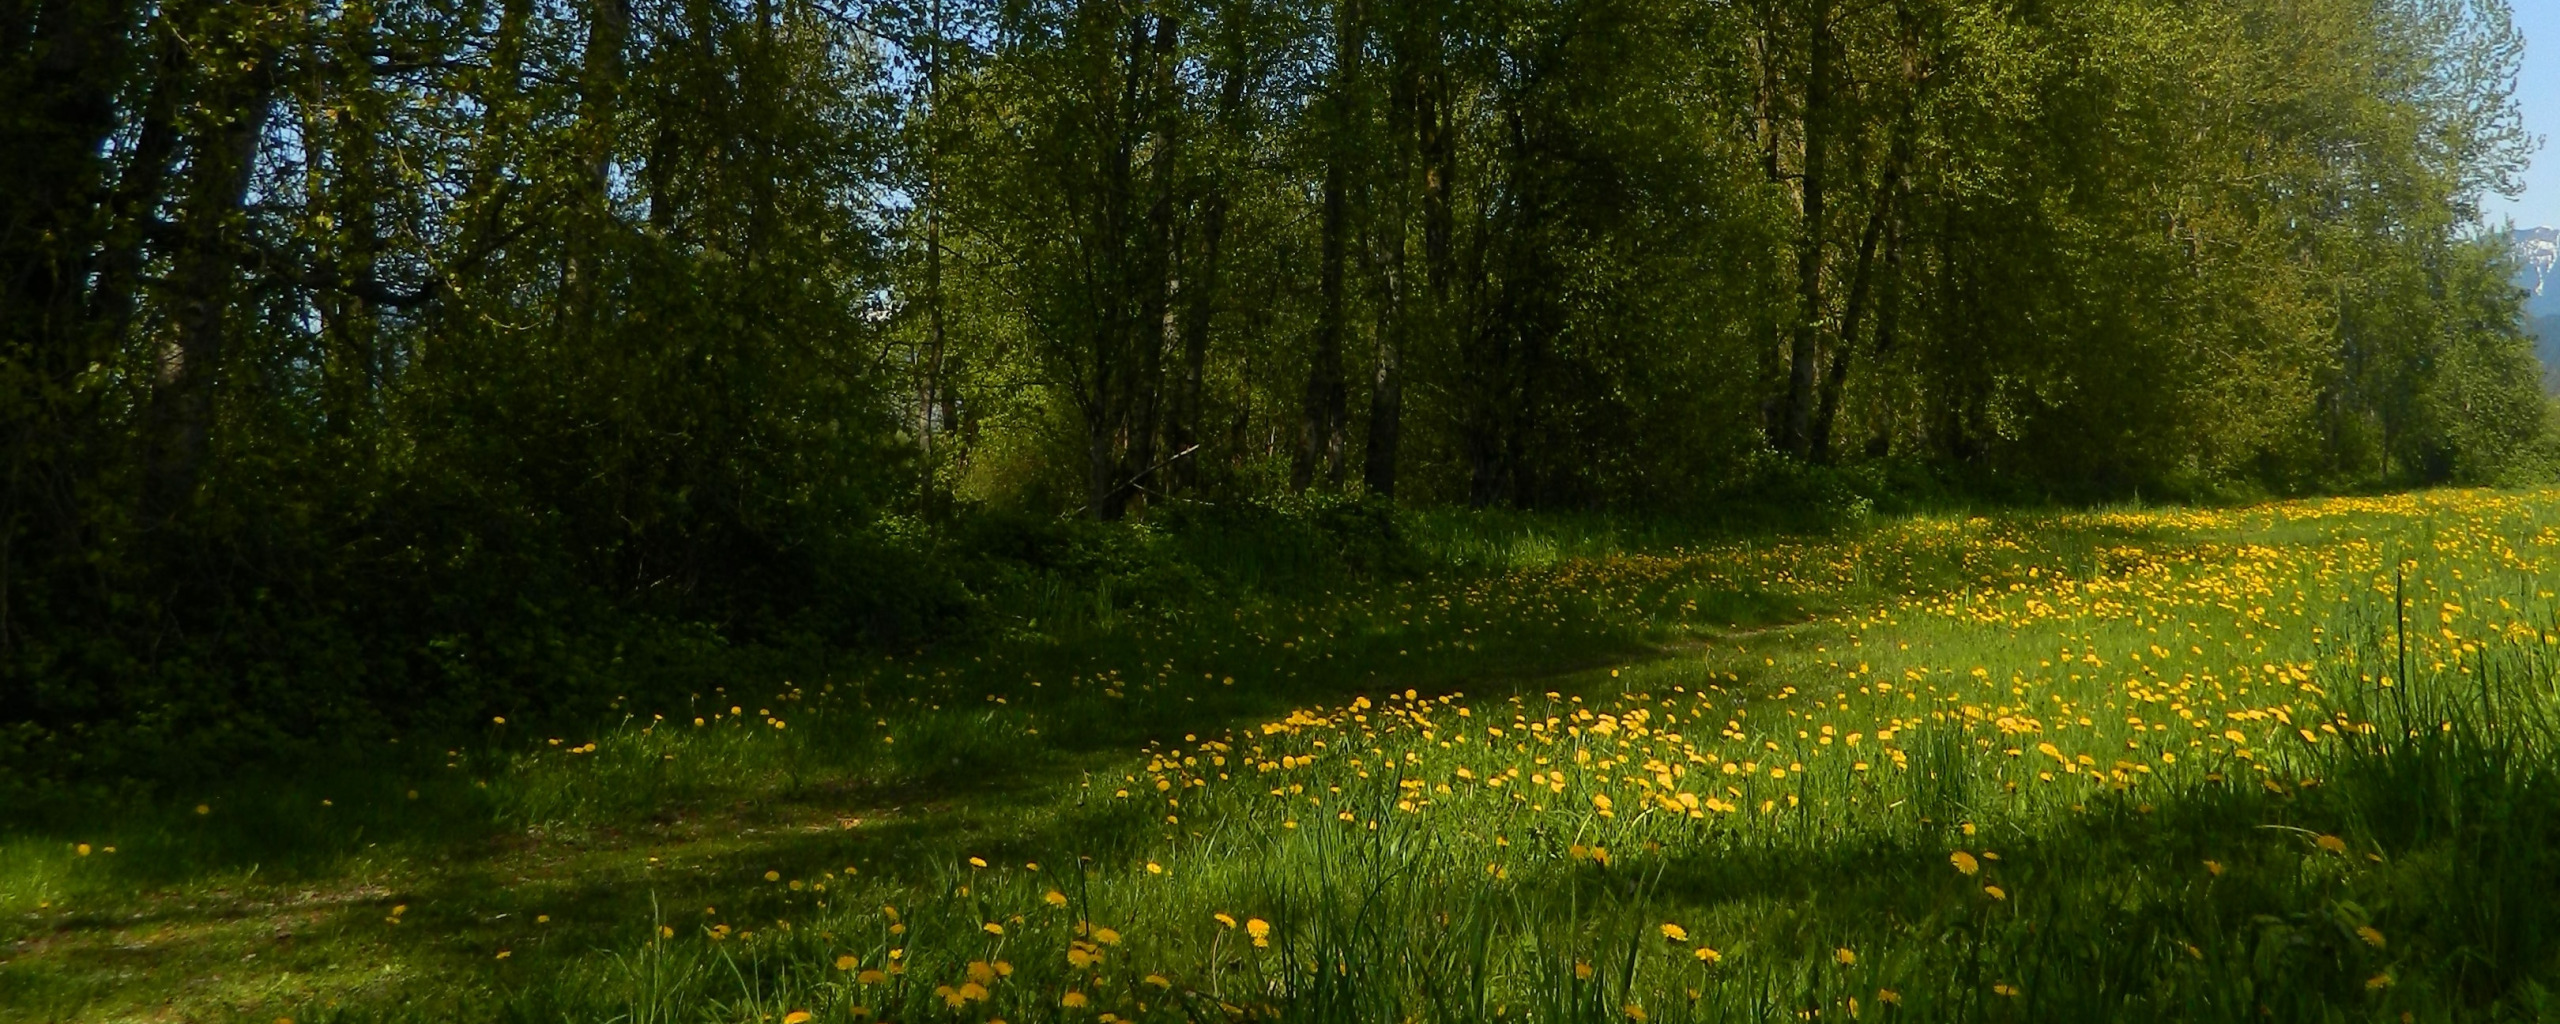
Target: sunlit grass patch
(2285, 761)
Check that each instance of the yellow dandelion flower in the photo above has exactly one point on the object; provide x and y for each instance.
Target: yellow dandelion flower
(1054, 898)
(2378, 982)
(2371, 935)
(1964, 862)
(1073, 1000)
(796, 1017)
(2005, 989)
(992, 928)
(2213, 867)
(1995, 892)
(1224, 921)
(1674, 933)
(1709, 956)
(846, 962)
(1844, 956)
(773, 876)
(1581, 970)
(2332, 844)
(1159, 981)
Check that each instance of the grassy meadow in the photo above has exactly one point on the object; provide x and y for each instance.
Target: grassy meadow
(2296, 761)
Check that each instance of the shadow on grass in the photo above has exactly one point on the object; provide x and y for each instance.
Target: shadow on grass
(2213, 901)
(296, 875)
(288, 884)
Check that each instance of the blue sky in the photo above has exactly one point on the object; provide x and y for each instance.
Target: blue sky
(2538, 92)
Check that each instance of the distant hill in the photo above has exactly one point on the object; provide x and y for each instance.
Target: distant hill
(2545, 330)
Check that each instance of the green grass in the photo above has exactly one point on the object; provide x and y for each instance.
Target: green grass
(1776, 746)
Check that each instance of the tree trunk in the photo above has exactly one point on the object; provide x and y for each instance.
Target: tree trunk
(1186, 428)
(599, 100)
(1883, 217)
(221, 159)
(1888, 324)
(1437, 151)
(352, 241)
(1409, 108)
(67, 56)
(501, 96)
(1183, 429)
(1112, 407)
(1157, 329)
(1439, 154)
(1386, 404)
(1836, 379)
(1769, 298)
(1803, 352)
(1320, 439)
(934, 387)
(140, 189)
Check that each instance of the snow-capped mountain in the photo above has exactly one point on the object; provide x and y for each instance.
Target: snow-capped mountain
(2538, 249)
(2538, 273)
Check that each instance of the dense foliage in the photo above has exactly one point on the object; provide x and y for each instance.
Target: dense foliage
(384, 356)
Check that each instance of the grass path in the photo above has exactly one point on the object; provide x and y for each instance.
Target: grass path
(1944, 768)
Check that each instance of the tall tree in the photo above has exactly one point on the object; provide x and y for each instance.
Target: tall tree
(1324, 424)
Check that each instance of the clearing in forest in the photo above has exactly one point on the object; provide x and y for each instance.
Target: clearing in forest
(2290, 761)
